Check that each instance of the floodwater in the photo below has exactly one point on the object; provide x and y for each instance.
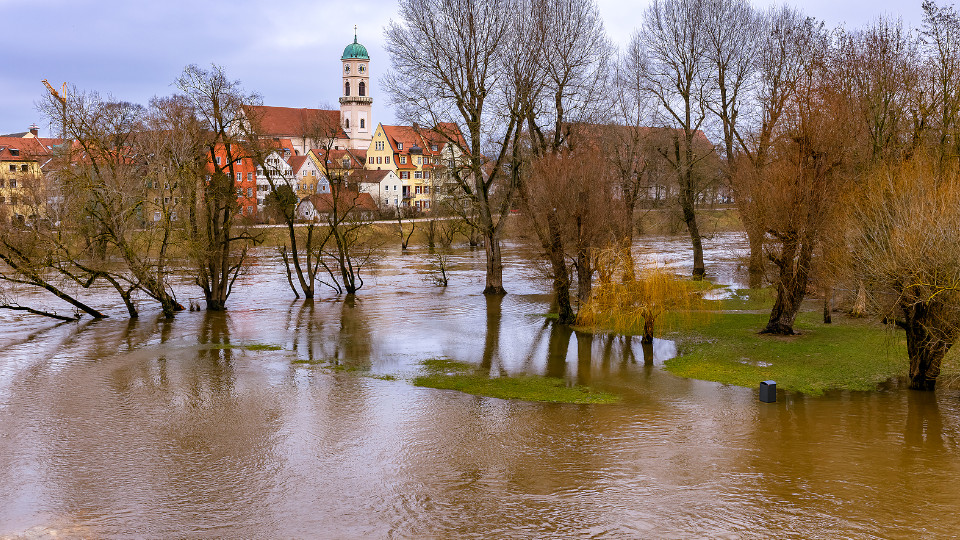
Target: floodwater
(156, 429)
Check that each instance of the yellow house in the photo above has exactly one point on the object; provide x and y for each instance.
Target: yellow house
(22, 190)
(417, 156)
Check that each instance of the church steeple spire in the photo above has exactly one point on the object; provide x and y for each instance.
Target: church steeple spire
(356, 104)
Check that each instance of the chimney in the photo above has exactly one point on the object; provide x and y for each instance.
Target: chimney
(35, 130)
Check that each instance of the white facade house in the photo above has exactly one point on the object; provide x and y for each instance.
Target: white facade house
(385, 187)
(276, 170)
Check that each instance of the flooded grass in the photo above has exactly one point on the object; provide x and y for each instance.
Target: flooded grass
(850, 354)
(244, 346)
(446, 374)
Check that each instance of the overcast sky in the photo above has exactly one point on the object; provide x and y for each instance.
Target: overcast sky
(287, 52)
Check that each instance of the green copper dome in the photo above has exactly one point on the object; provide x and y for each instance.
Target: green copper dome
(355, 50)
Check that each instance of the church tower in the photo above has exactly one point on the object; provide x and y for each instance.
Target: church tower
(356, 104)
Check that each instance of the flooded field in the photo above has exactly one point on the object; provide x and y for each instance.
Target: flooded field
(196, 428)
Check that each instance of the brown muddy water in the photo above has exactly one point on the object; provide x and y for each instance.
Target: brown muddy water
(157, 429)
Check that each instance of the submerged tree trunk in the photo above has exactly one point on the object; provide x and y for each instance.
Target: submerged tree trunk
(927, 344)
(494, 284)
(690, 218)
(561, 276)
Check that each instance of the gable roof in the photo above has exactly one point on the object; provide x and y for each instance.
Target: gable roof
(371, 177)
(423, 138)
(346, 201)
(293, 122)
(296, 163)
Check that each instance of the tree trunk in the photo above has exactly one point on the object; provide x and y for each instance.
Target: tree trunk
(647, 330)
(794, 264)
(926, 346)
(584, 276)
(690, 218)
(494, 283)
(561, 277)
(827, 293)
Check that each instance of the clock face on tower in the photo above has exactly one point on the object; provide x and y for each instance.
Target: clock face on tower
(346, 68)
(362, 68)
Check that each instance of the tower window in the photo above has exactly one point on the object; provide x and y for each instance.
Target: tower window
(362, 120)
(363, 90)
(346, 88)
(347, 123)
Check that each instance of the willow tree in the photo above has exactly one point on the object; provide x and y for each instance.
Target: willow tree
(905, 247)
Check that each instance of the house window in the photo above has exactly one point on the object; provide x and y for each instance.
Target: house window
(13, 168)
(156, 216)
(249, 177)
(426, 205)
(426, 174)
(418, 174)
(419, 161)
(249, 192)
(426, 190)
(394, 187)
(403, 159)
(13, 182)
(218, 160)
(417, 190)
(404, 175)
(239, 177)
(23, 168)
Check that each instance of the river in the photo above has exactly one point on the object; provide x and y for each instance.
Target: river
(158, 429)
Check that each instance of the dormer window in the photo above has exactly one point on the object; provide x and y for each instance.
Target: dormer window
(14, 151)
(434, 147)
(399, 146)
(403, 159)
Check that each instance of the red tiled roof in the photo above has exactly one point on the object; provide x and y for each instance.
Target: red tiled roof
(347, 200)
(424, 138)
(296, 162)
(293, 122)
(29, 149)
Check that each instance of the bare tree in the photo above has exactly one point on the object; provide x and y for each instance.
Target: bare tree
(301, 253)
(941, 31)
(784, 33)
(217, 249)
(807, 179)
(448, 66)
(567, 196)
(673, 38)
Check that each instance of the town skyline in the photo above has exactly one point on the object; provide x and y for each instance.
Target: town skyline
(292, 60)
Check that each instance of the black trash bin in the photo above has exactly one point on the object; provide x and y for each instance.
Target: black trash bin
(768, 391)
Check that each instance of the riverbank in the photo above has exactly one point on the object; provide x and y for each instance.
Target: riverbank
(851, 353)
